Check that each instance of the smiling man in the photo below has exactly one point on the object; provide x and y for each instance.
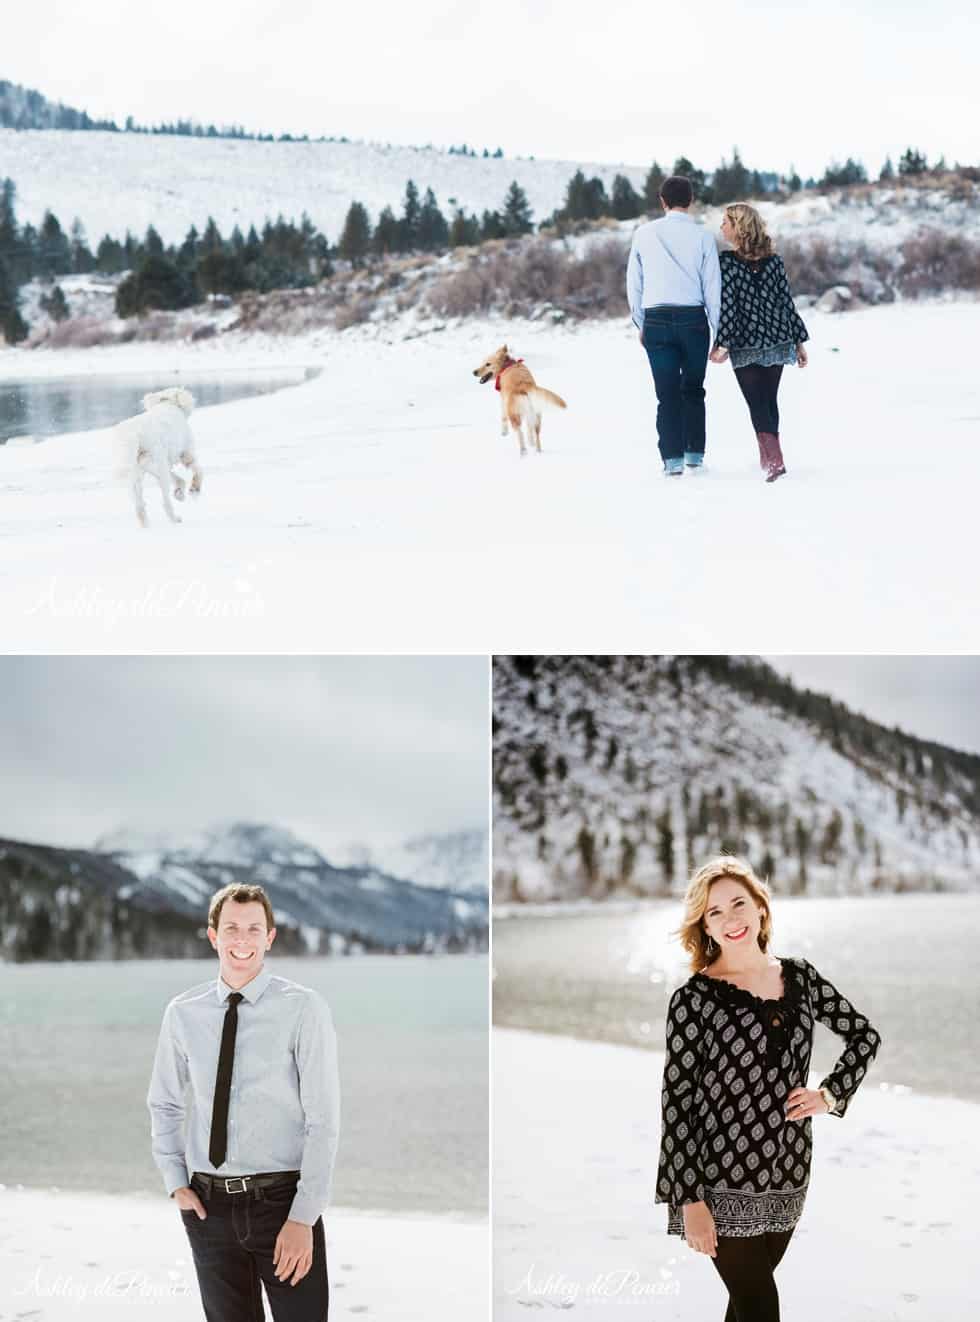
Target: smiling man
(245, 1107)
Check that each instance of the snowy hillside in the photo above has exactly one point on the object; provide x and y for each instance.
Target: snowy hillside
(457, 861)
(118, 181)
(115, 181)
(618, 774)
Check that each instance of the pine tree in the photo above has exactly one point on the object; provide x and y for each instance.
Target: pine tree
(626, 202)
(387, 234)
(157, 283)
(55, 304)
(887, 171)
(517, 214)
(651, 187)
(912, 163)
(433, 232)
(355, 239)
(492, 226)
(82, 260)
(464, 231)
(13, 327)
(152, 243)
(411, 208)
(54, 248)
(793, 183)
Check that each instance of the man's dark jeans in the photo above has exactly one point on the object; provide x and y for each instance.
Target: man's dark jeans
(676, 341)
(233, 1249)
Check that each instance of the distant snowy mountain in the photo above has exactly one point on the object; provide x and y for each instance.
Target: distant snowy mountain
(139, 894)
(617, 775)
(118, 181)
(456, 860)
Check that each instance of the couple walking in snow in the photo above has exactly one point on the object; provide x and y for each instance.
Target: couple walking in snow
(678, 287)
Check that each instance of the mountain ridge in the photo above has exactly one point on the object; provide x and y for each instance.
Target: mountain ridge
(615, 776)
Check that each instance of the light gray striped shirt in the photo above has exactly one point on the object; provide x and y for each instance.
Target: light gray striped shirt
(284, 1109)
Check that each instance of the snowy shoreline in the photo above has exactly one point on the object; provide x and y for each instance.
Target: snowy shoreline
(576, 1131)
(377, 506)
(99, 1256)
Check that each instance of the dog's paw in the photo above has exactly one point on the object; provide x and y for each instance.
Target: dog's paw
(178, 493)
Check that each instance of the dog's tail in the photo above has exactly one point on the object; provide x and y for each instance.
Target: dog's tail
(542, 396)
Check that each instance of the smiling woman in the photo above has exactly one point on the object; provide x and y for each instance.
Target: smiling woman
(735, 1141)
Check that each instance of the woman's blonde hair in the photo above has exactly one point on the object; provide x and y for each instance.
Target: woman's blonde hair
(693, 936)
(751, 239)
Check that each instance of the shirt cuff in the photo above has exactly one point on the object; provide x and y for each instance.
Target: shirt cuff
(305, 1210)
(175, 1176)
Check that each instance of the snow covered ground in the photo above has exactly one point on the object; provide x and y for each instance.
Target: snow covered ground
(377, 508)
(98, 1257)
(886, 1236)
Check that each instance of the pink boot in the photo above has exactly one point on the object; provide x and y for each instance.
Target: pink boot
(770, 455)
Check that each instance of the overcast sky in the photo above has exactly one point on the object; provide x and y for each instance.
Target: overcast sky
(337, 749)
(934, 697)
(611, 81)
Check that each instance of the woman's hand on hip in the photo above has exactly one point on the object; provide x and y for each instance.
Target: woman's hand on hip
(803, 1102)
(801, 358)
(699, 1229)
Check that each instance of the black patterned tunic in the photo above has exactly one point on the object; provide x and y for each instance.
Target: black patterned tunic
(732, 1059)
(758, 322)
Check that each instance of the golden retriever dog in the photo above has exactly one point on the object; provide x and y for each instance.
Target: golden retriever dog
(520, 396)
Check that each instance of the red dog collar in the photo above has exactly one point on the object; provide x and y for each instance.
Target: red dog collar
(513, 363)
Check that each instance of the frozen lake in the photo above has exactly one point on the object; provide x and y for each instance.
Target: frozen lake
(907, 962)
(43, 407)
(78, 1043)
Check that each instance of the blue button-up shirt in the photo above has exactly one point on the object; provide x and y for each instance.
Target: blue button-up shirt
(284, 1109)
(673, 260)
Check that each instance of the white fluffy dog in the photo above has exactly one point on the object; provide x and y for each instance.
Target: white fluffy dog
(153, 442)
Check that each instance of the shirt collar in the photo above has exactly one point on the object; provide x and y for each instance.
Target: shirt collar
(678, 215)
(251, 991)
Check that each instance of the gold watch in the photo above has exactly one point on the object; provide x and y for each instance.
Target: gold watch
(829, 1098)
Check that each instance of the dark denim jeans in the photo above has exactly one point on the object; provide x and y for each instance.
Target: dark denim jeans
(676, 341)
(233, 1250)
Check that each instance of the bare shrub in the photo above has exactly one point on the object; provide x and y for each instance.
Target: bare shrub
(517, 278)
(933, 261)
(355, 312)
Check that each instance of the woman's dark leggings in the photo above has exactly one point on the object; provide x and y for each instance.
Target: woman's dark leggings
(746, 1266)
(760, 386)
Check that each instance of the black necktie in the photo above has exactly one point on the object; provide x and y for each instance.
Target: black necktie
(222, 1084)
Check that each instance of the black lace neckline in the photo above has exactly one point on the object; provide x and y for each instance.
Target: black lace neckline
(740, 996)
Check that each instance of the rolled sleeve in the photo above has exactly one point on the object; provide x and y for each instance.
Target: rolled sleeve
(319, 1089)
(165, 1100)
(634, 286)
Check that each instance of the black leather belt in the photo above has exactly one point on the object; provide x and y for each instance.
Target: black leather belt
(207, 1185)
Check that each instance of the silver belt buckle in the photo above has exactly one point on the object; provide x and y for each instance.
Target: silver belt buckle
(236, 1179)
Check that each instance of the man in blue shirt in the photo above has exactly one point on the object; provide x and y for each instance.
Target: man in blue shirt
(245, 1107)
(673, 283)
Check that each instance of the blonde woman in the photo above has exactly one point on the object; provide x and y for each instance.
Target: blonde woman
(736, 1142)
(759, 327)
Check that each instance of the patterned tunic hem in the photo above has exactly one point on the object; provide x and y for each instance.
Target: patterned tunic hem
(739, 1213)
(779, 355)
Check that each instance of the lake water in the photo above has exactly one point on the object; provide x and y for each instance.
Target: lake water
(41, 408)
(78, 1040)
(908, 962)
